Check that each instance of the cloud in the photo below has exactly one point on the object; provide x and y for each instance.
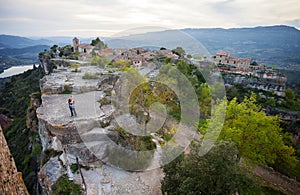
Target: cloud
(90, 17)
(15, 19)
(294, 22)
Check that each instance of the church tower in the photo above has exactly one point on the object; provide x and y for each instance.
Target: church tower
(75, 44)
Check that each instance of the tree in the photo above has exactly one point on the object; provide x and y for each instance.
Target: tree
(99, 61)
(290, 98)
(184, 68)
(179, 51)
(65, 51)
(258, 136)
(54, 48)
(217, 172)
(271, 102)
(98, 43)
(204, 98)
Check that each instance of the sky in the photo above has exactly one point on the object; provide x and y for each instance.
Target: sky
(88, 18)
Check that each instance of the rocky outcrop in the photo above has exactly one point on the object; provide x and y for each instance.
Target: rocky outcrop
(49, 64)
(11, 181)
(49, 174)
(45, 63)
(64, 81)
(86, 137)
(31, 118)
(4, 120)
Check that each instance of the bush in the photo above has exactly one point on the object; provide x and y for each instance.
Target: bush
(90, 76)
(64, 186)
(100, 61)
(75, 67)
(105, 101)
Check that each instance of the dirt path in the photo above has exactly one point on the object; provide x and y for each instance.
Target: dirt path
(288, 185)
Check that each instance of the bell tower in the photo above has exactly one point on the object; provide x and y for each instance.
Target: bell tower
(75, 44)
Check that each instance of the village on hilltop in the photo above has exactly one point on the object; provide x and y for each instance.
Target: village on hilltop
(250, 73)
(246, 72)
(137, 56)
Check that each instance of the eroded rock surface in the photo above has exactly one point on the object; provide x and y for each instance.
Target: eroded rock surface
(86, 136)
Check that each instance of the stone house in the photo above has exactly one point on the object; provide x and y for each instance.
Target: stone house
(221, 57)
(137, 62)
(85, 48)
(224, 58)
(106, 51)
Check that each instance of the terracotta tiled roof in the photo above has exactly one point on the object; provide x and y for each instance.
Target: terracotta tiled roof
(245, 60)
(222, 53)
(85, 46)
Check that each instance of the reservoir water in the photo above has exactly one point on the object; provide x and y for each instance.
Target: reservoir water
(15, 70)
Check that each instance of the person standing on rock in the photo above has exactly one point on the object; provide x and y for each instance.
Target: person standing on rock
(71, 103)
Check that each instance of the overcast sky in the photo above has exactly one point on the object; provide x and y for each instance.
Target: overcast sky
(106, 17)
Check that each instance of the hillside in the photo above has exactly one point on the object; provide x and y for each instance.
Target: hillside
(10, 41)
(22, 51)
(23, 142)
(19, 56)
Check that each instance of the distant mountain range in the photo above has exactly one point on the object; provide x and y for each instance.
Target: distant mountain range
(10, 41)
(25, 50)
(19, 56)
(279, 45)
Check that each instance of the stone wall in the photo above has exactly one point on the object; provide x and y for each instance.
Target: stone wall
(11, 181)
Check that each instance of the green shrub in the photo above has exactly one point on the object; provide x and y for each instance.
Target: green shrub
(90, 76)
(104, 101)
(64, 186)
(74, 168)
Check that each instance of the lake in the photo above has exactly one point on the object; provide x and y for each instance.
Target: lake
(15, 70)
